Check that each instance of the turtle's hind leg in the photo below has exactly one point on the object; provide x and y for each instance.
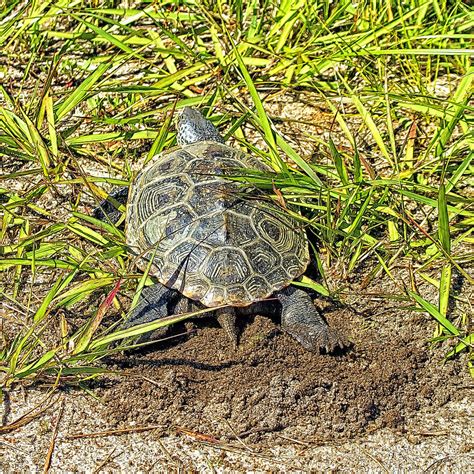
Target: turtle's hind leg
(301, 319)
(156, 302)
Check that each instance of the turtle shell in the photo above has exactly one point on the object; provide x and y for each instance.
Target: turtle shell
(208, 237)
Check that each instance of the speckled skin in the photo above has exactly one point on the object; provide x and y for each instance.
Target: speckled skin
(194, 128)
(214, 243)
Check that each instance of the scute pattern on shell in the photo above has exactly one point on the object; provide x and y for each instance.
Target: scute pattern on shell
(207, 239)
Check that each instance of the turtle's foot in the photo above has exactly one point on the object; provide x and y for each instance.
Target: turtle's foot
(317, 337)
(302, 320)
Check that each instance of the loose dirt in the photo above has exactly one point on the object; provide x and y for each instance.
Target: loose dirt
(192, 402)
(271, 387)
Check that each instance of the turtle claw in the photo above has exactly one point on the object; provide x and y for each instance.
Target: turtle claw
(331, 341)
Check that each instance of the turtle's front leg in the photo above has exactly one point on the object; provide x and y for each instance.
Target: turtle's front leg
(108, 209)
(301, 319)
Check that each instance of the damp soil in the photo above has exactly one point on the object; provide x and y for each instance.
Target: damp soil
(270, 390)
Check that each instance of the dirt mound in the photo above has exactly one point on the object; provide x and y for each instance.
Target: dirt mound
(271, 389)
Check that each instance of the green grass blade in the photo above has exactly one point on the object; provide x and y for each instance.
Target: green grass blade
(81, 92)
(262, 116)
(443, 220)
(433, 311)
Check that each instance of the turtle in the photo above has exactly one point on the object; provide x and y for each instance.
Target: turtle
(211, 243)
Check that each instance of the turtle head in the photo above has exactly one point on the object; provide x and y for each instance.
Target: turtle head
(193, 127)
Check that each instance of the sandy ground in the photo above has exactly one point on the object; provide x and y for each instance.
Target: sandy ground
(441, 441)
(193, 404)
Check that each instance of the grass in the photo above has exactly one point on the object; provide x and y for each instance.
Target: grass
(87, 93)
